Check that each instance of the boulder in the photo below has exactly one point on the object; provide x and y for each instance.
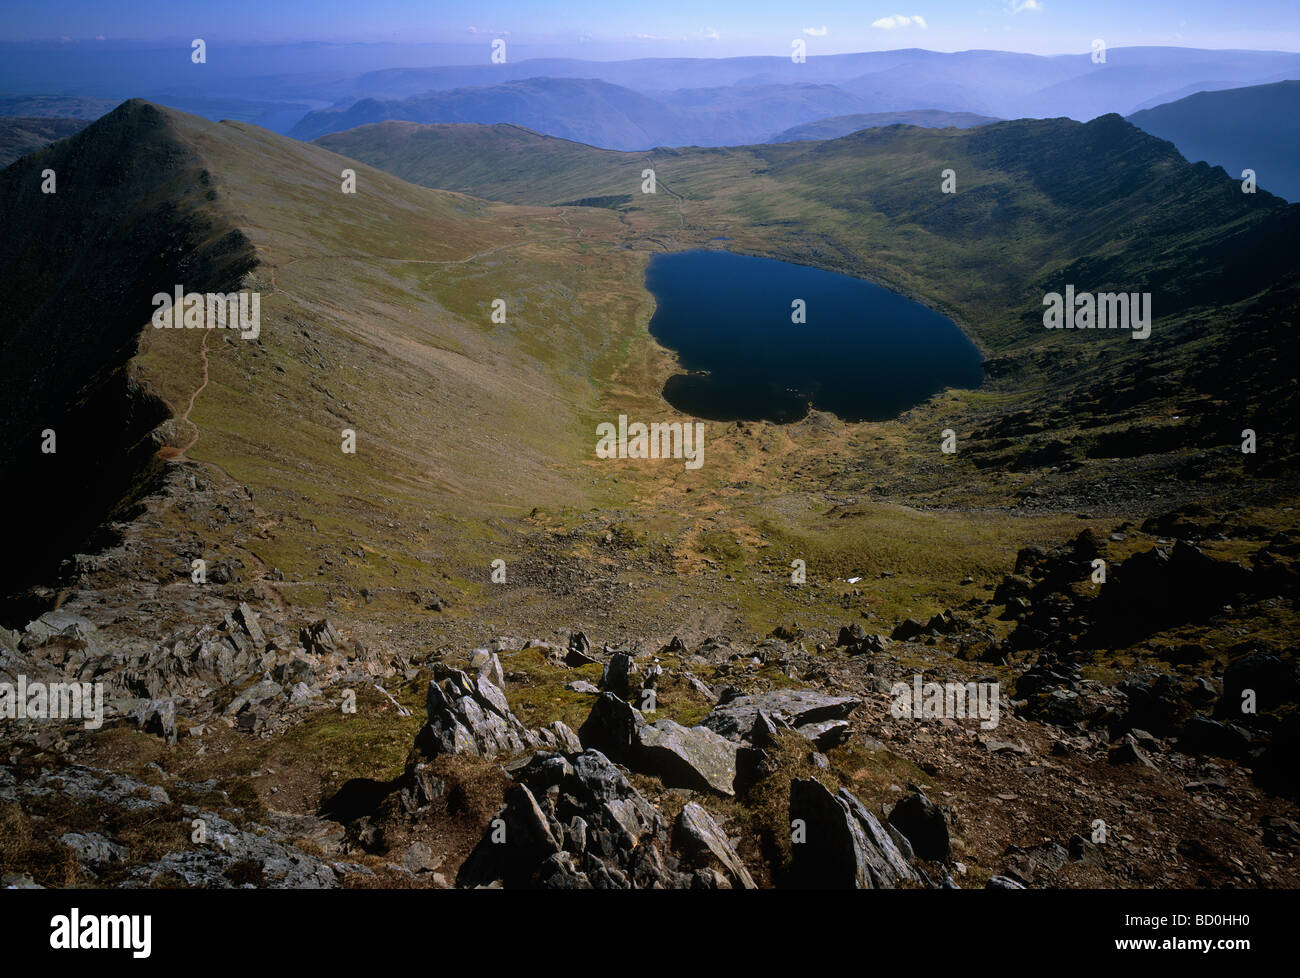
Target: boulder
(701, 838)
(923, 823)
(843, 846)
(574, 825)
(470, 716)
(611, 726)
(1127, 751)
(686, 757)
(1204, 736)
(614, 678)
(734, 718)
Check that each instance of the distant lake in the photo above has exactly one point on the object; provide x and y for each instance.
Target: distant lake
(864, 353)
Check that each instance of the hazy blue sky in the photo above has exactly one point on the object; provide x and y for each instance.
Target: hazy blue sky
(615, 28)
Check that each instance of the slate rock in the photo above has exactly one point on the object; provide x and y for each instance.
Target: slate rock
(687, 757)
(734, 718)
(701, 838)
(844, 846)
(924, 824)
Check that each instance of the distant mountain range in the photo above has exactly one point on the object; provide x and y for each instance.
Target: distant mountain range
(842, 125)
(610, 116)
(1256, 128)
(733, 101)
(632, 104)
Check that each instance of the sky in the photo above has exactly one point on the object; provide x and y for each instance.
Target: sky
(612, 29)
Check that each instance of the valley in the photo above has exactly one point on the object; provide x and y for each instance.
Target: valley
(372, 572)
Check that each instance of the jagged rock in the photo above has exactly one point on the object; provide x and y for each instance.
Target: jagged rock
(826, 735)
(614, 678)
(574, 826)
(558, 736)
(850, 635)
(764, 731)
(686, 757)
(419, 858)
(321, 638)
(700, 687)
(1161, 703)
(675, 647)
(470, 716)
(98, 794)
(300, 694)
(734, 718)
(579, 651)
(581, 686)
(1205, 736)
(421, 787)
(297, 669)
(701, 838)
(923, 823)
(159, 717)
(844, 846)
(93, 849)
(1272, 679)
(1002, 883)
(255, 695)
(650, 679)
(247, 618)
(907, 630)
(1082, 850)
(1128, 752)
(611, 726)
(486, 663)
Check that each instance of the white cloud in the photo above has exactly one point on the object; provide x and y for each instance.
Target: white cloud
(898, 20)
(711, 34)
(1017, 6)
(481, 30)
(815, 31)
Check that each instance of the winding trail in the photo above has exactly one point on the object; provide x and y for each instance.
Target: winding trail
(178, 455)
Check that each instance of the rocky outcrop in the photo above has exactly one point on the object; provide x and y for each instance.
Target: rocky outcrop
(818, 717)
(576, 822)
(839, 844)
(684, 757)
(470, 715)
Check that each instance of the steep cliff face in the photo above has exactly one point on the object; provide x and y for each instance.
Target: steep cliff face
(130, 207)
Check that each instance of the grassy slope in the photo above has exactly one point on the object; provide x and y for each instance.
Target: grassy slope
(375, 317)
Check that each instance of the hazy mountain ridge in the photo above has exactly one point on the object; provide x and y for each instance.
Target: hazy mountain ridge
(1256, 128)
(721, 103)
(835, 126)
